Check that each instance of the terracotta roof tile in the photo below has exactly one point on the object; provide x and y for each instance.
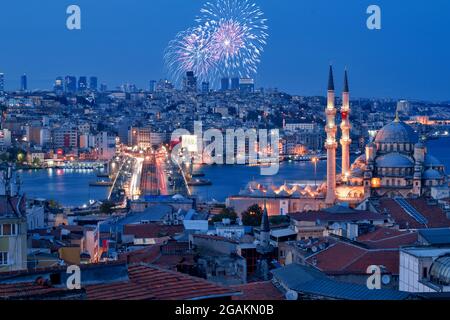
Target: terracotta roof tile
(151, 230)
(344, 258)
(434, 214)
(150, 282)
(386, 238)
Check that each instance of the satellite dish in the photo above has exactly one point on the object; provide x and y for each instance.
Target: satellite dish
(291, 295)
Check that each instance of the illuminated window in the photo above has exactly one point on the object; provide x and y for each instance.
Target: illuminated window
(376, 182)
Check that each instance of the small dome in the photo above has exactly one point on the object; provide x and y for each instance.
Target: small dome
(440, 270)
(397, 132)
(394, 160)
(432, 174)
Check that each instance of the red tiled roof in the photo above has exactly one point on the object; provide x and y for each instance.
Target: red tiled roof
(390, 259)
(17, 290)
(336, 257)
(151, 230)
(328, 216)
(386, 238)
(258, 291)
(434, 214)
(344, 258)
(150, 282)
(145, 255)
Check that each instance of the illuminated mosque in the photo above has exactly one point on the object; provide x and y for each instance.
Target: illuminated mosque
(395, 164)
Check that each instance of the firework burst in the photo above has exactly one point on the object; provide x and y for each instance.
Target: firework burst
(228, 42)
(191, 51)
(239, 34)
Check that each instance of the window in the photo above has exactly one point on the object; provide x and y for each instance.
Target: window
(3, 258)
(8, 229)
(424, 273)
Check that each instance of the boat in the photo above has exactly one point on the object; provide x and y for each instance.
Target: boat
(101, 183)
(199, 183)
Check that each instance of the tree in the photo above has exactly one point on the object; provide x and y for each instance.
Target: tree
(226, 213)
(36, 162)
(107, 207)
(252, 216)
(276, 220)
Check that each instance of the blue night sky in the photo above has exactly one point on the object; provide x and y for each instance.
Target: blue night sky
(124, 40)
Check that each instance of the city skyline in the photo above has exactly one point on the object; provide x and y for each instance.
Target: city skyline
(398, 61)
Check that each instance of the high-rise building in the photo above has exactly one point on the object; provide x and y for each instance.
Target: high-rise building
(58, 87)
(235, 84)
(404, 107)
(2, 82)
(205, 87)
(70, 84)
(246, 85)
(23, 83)
(93, 83)
(152, 86)
(225, 84)
(190, 82)
(82, 84)
(103, 87)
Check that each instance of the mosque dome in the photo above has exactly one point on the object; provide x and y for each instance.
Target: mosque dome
(432, 174)
(396, 132)
(394, 160)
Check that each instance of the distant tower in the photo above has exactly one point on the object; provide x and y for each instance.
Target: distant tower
(23, 83)
(264, 248)
(331, 144)
(264, 236)
(345, 127)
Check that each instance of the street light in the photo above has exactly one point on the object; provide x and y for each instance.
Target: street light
(315, 160)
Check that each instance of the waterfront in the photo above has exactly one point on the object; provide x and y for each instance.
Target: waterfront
(71, 187)
(68, 187)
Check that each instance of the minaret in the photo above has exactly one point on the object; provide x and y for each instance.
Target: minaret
(345, 128)
(330, 143)
(264, 236)
(264, 248)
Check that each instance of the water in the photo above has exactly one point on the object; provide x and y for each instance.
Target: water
(71, 187)
(229, 180)
(67, 186)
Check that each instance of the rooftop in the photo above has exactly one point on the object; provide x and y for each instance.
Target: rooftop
(308, 281)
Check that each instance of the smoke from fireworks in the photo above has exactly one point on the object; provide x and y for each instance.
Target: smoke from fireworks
(228, 42)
